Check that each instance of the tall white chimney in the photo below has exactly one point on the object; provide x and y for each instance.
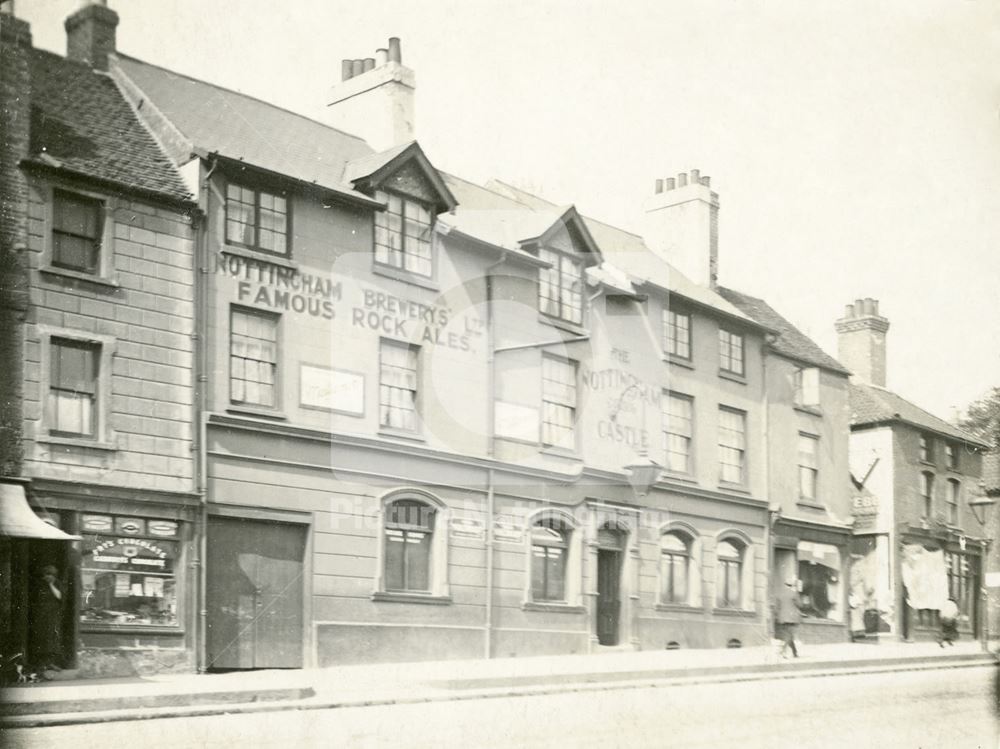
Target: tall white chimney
(681, 225)
(375, 99)
(861, 341)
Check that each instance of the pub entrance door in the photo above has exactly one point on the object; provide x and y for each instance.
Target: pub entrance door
(609, 570)
(254, 593)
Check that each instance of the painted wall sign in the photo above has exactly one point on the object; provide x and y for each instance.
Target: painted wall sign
(132, 551)
(276, 287)
(333, 389)
(412, 321)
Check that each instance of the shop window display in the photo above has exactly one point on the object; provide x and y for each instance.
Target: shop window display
(128, 571)
(819, 577)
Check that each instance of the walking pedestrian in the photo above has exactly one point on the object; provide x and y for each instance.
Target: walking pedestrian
(46, 620)
(949, 623)
(788, 616)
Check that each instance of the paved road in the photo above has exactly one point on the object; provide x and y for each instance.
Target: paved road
(952, 708)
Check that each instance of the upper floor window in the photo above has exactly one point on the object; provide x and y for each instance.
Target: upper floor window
(677, 333)
(678, 432)
(398, 381)
(926, 449)
(409, 533)
(560, 288)
(558, 402)
(77, 232)
(951, 456)
(954, 492)
(550, 539)
(808, 466)
(403, 236)
(253, 358)
(732, 446)
(257, 219)
(927, 492)
(73, 387)
(731, 352)
(806, 384)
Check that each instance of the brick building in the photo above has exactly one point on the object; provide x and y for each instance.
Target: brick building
(434, 419)
(99, 239)
(919, 537)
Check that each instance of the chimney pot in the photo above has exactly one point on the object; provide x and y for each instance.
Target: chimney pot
(859, 307)
(849, 311)
(357, 67)
(706, 181)
(7, 7)
(695, 176)
(381, 57)
(395, 50)
(875, 307)
(368, 64)
(671, 183)
(659, 186)
(346, 70)
(682, 179)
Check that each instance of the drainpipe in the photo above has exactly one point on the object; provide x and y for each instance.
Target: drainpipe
(491, 453)
(201, 399)
(770, 518)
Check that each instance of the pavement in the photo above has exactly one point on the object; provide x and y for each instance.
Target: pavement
(181, 695)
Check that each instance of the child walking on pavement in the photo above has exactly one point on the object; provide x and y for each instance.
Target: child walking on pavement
(788, 617)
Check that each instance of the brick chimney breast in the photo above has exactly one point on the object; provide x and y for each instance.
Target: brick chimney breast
(861, 341)
(90, 34)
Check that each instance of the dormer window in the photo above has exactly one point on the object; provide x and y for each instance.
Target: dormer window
(257, 219)
(560, 288)
(403, 236)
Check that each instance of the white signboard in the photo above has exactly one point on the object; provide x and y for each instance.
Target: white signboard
(993, 579)
(332, 389)
(515, 421)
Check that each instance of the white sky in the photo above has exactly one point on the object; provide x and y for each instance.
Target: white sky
(855, 145)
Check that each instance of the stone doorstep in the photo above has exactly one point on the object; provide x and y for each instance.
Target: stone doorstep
(79, 704)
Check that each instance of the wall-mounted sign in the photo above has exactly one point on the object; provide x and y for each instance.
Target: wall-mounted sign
(96, 523)
(162, 528)
(468, 528)
(130, 526)
(514, 421)
(866, 504)
(332, 389)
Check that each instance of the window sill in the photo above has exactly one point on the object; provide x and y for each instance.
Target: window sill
(731, 487)
(678, 361)
(809, 505)
(130, 629)
(401, 434)
(811, 410)
(97, 280)
(398, 274)
(387, 596)
(555, 322)
(265, 257)
(561, 452)
(262, 413)
(90, 444)
(686, 478)
(816, 621)
(679, 607)
(736, 613)
(732, 377)
(554, 608)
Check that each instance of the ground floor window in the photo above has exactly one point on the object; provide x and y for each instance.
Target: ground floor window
(129, 570)
(819, 578)
(961, 583)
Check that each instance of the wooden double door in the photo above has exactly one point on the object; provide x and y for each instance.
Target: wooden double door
(611, 545)
(255, 593)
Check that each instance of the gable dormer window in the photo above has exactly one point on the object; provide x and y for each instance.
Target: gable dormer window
(403, 236)
(560, 288)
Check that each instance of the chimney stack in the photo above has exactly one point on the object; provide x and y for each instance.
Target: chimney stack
(681, 225)
(861, 341)
(375, 98)
(90, 34)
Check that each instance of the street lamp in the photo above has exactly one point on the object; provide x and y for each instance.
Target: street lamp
(982, 503)
(643, 472)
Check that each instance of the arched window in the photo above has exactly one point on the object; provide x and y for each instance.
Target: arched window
(729, 583)
(409, 536)
(675, 560)
(550, 539)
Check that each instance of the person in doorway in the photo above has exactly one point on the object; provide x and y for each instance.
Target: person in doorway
(787, 617)
(949, 623)
(46, 620)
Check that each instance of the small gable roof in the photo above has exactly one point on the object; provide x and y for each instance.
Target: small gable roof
(373, 170)
(82, 125)
(789, 341)
(871, 405)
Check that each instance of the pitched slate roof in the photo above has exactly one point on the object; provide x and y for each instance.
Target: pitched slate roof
(624, 250)
(81, 123)
(875, 405)
(240, 127)
(790, 341)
